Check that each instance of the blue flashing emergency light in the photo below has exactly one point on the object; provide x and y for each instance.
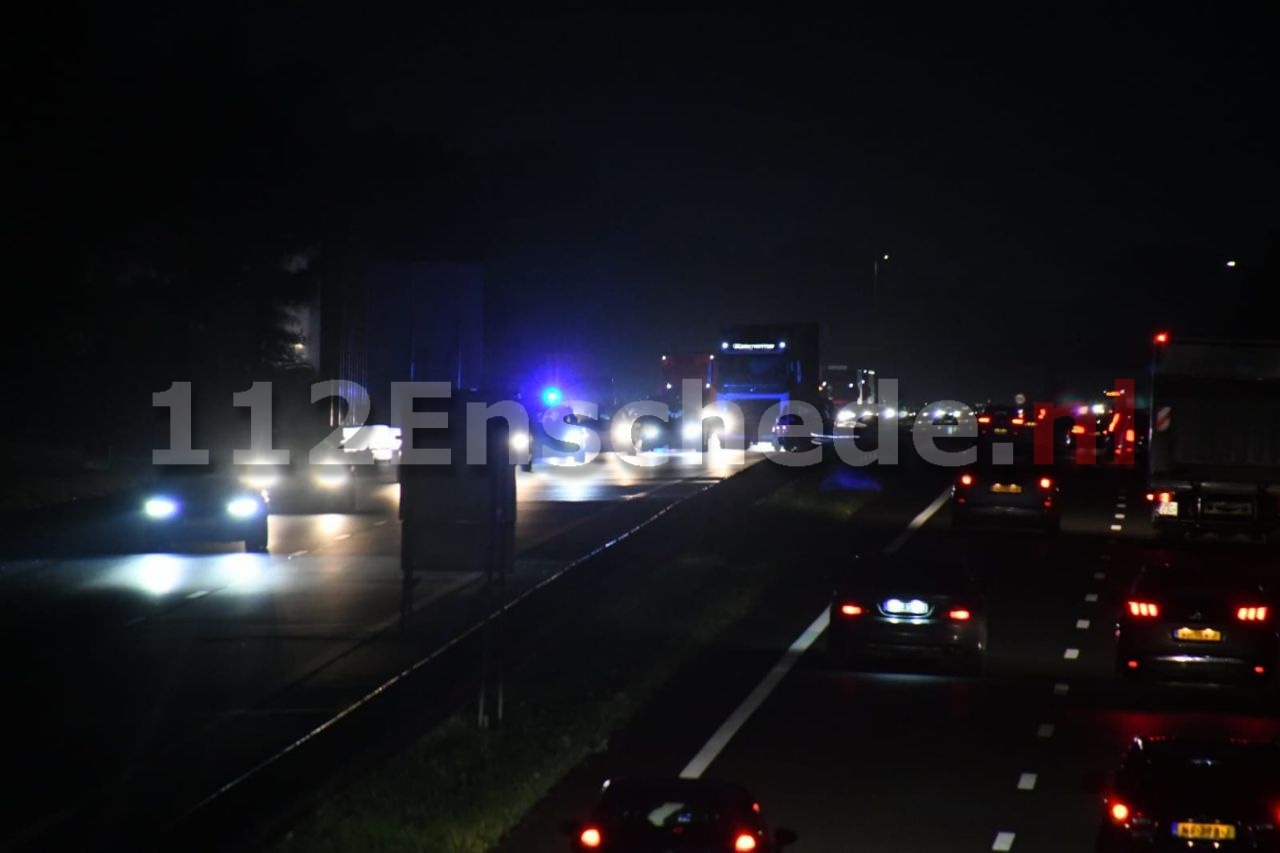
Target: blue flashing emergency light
(551, 395)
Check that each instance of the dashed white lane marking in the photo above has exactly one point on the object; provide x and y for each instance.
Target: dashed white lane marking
(301, 553)
(341, 536)
(1117, 527)
(1004, 841)
(1082, 624)
(1091, 597)
(1121, 505)
(720, 739)
(380, 523)
(1027, 782)
(1061, 689)
(1045, 730)
(1071, 654)
(1119, 516)
(1099, 576)
(199, 593)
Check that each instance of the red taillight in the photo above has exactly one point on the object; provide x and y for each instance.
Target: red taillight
(1129, 436)
(984, 419)
(1133, 664)
(1151, 497)
(1017, 421)
(744, 843)
(1078, 429)
(1260, 670)
(966, 479)
(850, 610)
(1252, 614)
(960, 615)
(1119, 812)
(1046, 483)
(1162, 337)
(1144, 609)
(1030, 423)
(1164, 497)
(590, 837)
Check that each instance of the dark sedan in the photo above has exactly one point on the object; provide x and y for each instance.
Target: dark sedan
(1189, 619)
(675, 815)
(1016, 492)
(190, 508)
(898, 608)
(1193, 794)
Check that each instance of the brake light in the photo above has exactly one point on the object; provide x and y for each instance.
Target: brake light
(1252, 614)
(590, 837)
(960, 615)
(1017, 421)
(1129, 436)
(850, 610)
(1078, 429)
(744, 843)
(1133, 664)
(966, 479)
(1030, 423)
(1119, 812)
(1046, 483)
(1162, 337)
(984, 419)
(1144, 609)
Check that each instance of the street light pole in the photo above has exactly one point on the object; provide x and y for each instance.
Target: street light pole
(875, 305)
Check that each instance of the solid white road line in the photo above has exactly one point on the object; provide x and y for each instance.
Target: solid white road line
(199, 593)
(1004, 841)
(1091, 597)
(1045, 730)
(713, 747)
(755, 699)
(1071, 654)
(1082, 624)
(919, 521)
(341, 536)
(1027, 782)
(380, 523)
(301, 553)
(1061, 689)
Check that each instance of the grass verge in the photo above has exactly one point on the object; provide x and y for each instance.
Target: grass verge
(819, 499)
(460, 788)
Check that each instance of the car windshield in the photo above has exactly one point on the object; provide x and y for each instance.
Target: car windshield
(771, 370)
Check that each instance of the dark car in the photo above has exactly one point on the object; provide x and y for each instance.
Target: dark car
(203, 507)
(897, 607)
(675, 815)
(1188, 617)
(1004, 422)
(1021, 491)
(303, 487)
(1174, 793)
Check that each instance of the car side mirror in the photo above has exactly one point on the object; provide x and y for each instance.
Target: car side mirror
(784, 837)
(570, 828)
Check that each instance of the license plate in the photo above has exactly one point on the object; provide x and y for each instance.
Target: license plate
(1002, 489)
(1200, 635)
(1205, 831)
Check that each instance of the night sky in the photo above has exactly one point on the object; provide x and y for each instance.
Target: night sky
(1051, 187)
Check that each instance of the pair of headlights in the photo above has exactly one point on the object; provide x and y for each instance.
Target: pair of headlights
(161, 508)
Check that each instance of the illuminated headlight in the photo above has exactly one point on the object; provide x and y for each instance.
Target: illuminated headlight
(383, 454)
(260, 481)
(938, 413)
(160, 508)
(866, 413)
(244, 507)
(889, 414)
(693, 430)
(844, 416)
(331, 479)
(520, 441)
(650, 431)
(955, 414)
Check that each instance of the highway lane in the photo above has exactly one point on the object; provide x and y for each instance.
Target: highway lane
(130, 658)
(910, 759)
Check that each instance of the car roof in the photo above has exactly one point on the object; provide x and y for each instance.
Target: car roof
(1167, 753)
(1189, 574)
(908, 575)
(644, 786)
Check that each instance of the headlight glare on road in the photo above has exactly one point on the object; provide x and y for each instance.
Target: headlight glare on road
(692, 430)
(845, 416)
(244, 507)
(259, 481)
(161, 508)
(520, 441)
(331, 479)
(650, 431)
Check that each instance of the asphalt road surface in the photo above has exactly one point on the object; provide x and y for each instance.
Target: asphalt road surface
(131, 672)
(906, 759)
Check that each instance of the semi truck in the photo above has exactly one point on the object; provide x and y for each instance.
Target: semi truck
(1213, 446)
(759, 366)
